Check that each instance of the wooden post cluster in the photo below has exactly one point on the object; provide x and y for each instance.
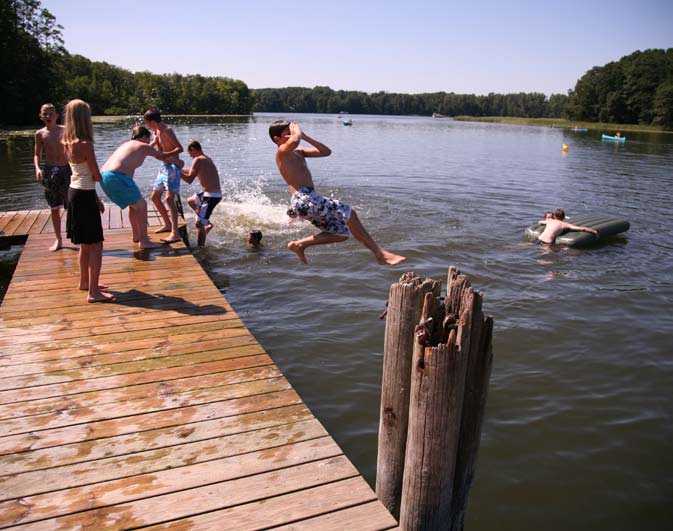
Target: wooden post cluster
(442, 368)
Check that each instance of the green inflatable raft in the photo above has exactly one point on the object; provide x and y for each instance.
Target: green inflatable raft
(604, 224)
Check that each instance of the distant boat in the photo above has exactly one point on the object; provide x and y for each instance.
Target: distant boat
(609, 138)
(438, 115)
(580, 129)
(348, 122)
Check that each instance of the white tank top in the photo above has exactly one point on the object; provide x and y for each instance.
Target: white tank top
(81, 178)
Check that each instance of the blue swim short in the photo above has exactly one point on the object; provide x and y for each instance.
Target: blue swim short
(329, 215)
(168, 178)
(120, 188)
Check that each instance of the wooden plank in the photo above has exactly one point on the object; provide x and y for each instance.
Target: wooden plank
(6, 218)
(115, 491)
(101, 328)
(148, 421)
(250, 356)
(150, 404)
(43, 219)
(79, 452)
(10, 228)
(92, 399)
(277, 510)
(211, 497)
(80, 474)
(365, 517)
(28, 221)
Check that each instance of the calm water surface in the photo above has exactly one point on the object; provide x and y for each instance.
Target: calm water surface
(579, 421)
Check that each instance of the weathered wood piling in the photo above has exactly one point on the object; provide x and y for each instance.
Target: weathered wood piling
(405, 304)
(445, 389)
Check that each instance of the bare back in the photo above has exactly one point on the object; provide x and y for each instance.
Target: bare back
(292, 166)
(50, 141)
(129, 156)
(553, 228)
(207, 173)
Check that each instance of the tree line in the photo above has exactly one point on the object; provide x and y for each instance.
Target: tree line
(326, 100)
(637, 89)
(39, 69)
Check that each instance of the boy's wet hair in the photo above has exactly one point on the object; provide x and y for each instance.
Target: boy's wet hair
(152, 115)
(559, 214)
(255, 236)
(195, 144)
(277, 127)
(140, 131)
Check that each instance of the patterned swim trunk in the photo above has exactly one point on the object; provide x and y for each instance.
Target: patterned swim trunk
(56, 180)
(168, 178)
(329, 215)
(205, 204)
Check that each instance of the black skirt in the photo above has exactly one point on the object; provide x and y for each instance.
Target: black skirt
(83, 224)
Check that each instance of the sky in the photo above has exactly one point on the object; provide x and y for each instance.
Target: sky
(469, 46)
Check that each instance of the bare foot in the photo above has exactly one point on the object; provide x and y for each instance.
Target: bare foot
(165, 228)
(56, 246)
(149, 244)
(299, 250)
(172, 239)
(101, 296)
(388, 258)
(86, 288)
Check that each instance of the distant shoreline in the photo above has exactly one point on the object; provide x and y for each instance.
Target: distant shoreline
(29, 130)
(563, 123)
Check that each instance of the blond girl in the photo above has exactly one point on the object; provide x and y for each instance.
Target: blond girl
(84, 225)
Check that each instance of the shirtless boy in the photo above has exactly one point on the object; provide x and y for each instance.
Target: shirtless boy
(203, 203)
(55, 176)
(117, 181)
(555, 226)
(168, 179)
(335, 219)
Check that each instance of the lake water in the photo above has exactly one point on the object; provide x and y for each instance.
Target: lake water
(579, 423)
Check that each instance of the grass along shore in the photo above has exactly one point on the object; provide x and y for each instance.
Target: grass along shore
(7, 133)
(563, 123)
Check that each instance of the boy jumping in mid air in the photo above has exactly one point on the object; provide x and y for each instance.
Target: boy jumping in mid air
(336, 220)
(168, 179)
(55, 176)
(554, 226)
(204, 202)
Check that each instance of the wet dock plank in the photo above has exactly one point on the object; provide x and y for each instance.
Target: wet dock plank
(159, 411)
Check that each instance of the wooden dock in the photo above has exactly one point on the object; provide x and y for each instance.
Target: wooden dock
(159, 411)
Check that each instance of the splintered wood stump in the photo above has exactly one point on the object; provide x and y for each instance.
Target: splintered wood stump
(449, 375)
(405, 304)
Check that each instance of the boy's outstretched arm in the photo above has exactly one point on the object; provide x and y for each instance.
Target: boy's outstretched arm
(582, 228)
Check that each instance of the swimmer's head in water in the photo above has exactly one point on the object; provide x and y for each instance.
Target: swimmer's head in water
(559, 214)
(255, 237)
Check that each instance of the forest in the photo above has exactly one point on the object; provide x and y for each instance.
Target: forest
(326, 100)
(41, 70)
(637, 89)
